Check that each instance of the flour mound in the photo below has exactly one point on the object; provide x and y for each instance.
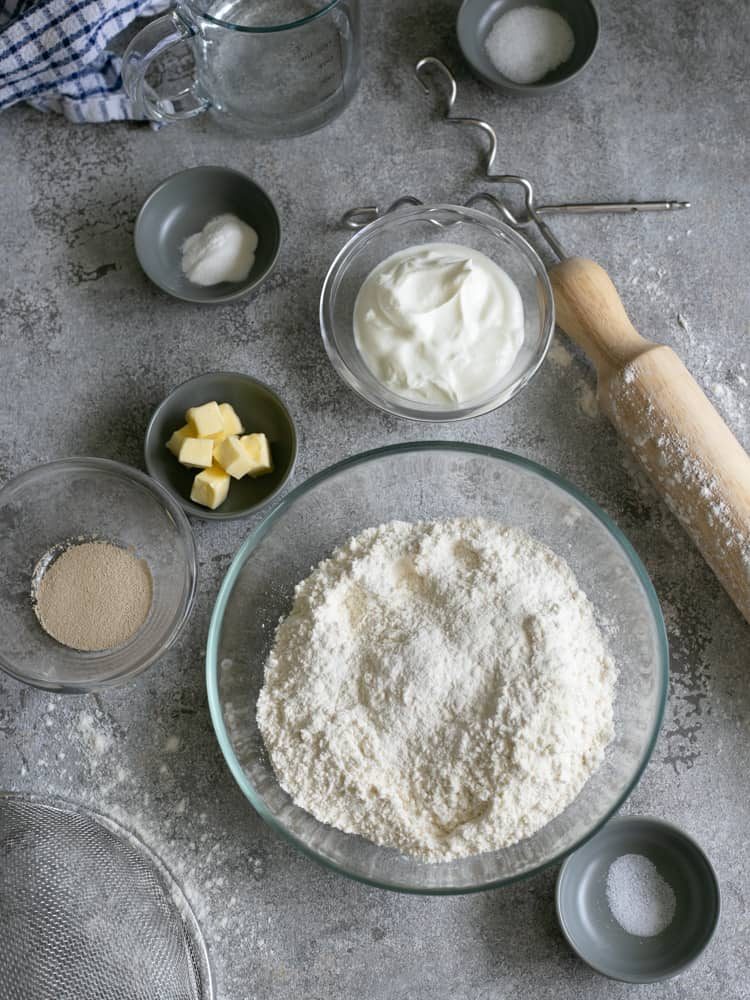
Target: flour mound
(438, 687)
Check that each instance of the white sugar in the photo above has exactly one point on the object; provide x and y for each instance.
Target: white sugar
(641, 901)
(526, 43)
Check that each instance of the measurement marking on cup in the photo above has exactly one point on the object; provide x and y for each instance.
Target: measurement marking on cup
(324, 52)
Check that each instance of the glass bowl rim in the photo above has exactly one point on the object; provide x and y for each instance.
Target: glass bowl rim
(404, 410)
(127, 472)
(241, 557)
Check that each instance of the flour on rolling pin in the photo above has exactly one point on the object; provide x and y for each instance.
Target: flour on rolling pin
(673, 431)
(693, 489)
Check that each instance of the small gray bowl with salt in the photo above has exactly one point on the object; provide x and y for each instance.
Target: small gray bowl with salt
(638, 902)
(483, 22)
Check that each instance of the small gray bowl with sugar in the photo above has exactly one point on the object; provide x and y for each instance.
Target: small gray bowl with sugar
(184, 207)
(640, 901)
(526, 48)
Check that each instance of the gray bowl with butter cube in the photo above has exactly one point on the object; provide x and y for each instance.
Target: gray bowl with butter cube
(223, 443)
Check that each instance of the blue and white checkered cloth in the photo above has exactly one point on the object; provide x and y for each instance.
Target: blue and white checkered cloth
(54, 55)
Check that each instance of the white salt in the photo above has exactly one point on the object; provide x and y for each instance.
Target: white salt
(526, 43)
(641, 901)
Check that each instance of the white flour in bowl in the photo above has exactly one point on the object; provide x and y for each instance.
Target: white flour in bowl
(439, 687)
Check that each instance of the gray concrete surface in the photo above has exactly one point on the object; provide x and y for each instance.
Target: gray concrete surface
(89, 347)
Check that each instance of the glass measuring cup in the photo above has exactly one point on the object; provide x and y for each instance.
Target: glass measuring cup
(271, 68)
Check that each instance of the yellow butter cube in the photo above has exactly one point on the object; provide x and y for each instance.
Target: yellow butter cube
(175, 442)
(210, 488)
(259, 452)
(232, 423)
(232, 457)
(206, 419)
(196, 453)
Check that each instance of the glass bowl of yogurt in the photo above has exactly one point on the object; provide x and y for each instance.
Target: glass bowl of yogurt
(437, 313)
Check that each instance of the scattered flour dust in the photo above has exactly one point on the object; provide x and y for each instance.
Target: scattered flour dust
(94, 738)
(559, 354)
(562, 358)
(438, 687)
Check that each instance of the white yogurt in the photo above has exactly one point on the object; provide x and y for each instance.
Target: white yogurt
(439, 323)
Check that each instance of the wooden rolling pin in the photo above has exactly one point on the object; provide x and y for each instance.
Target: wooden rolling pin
(685, 448)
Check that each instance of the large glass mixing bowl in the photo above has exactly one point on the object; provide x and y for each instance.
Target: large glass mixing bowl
(426, 481)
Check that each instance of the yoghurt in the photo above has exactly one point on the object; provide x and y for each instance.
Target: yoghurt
(439, 323)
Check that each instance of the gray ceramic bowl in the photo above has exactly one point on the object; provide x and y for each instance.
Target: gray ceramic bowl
(591, 929)
(181, 206)
(476, 17)
(260, 410)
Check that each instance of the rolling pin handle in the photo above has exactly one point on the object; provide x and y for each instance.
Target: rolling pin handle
(590, 311)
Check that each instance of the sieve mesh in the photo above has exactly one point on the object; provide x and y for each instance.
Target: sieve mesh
(86, 913)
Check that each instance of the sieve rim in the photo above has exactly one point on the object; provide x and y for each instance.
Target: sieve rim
(168, 883)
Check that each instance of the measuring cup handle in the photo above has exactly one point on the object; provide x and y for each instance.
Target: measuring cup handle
(150, 43)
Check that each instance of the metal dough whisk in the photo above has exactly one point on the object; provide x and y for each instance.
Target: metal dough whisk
(531, 213)
(86, 913)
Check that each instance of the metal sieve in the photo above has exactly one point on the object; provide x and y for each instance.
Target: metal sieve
(88, 913)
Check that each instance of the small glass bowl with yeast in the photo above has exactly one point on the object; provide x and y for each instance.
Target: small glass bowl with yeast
(481, 236)
(51, 508)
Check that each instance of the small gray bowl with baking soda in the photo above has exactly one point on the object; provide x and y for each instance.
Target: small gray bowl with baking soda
(181, 207)
(523, 43)
(639, 902)
(261, 413)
